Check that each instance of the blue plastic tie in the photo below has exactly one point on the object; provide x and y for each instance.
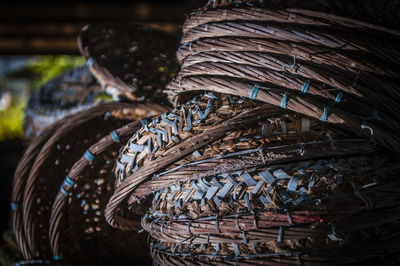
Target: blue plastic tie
(14, 206)
(114, 136)
(57, 257)
(284, 100)
(68, 181)
(338, 97)
(144, 122)
(63, 190)
(305, 87)
(254, 92)
(89, 156)
(324, 115)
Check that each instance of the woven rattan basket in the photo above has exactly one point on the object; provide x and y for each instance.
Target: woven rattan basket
(130, 61)
(48, 160)
(322, 65)
(248, 217)
(68, 93)
(216, 133)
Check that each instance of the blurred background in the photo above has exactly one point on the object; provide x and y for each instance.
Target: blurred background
(37, 43)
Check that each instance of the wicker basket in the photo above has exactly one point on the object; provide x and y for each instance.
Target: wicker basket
(46, 162)
(130, 61)
(209, 135)
(273, 215)
(321, 65)
(68, 93)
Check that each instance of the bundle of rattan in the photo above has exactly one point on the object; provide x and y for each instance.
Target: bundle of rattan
(383, 13)
(332, 68)
(325, 211)
(68, 93)
(208, 129)
(230, 170)
(47, 162)
(266, 180)
(130, 61)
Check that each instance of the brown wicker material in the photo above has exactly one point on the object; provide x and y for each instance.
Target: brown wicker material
(240, 216)
(384, 13)
(321, 65)
(46, 161)
(91, 184)
(221, 136)
(130, 61)
(68, 93)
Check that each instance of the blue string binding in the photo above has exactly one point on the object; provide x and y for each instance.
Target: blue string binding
(284, 100)
(254, 92)
(305, 87)
(89, 156)
(144, 121)
(14, 206)
(63, 190)
(324, 115)
(114, 136)
(57, 257)
(338, 97)
(68, 181)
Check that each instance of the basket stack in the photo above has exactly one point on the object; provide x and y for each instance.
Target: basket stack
(321, 65)
(291, 155)
(63, 182)
(281, 149)
(49, 163)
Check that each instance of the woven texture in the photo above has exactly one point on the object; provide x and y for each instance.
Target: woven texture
(283, 166)
(44, 167)
(318, 64)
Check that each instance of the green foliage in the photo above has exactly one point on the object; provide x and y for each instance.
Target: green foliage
(11, 121)
(48, 67)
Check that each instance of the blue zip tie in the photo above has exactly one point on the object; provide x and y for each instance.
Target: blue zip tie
(114, 136)
(144, 122)
(305, 87)
(68, 182)
(280, 236)
(254, 92)
(244, 237)
(338, 97)
(63, 190)
(14, 206)
(89, 156)
(57, 257)
(324, 115)
(284, 100)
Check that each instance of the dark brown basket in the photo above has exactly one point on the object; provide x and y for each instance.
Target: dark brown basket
(208, 136)
(318, 219)
(46, 162)
(68, 93)
(318, 64)
(129, 60)
(384, 13)
(78, 210)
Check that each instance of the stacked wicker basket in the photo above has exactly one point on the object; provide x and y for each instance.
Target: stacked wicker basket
(281, 149)
(289, 158)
